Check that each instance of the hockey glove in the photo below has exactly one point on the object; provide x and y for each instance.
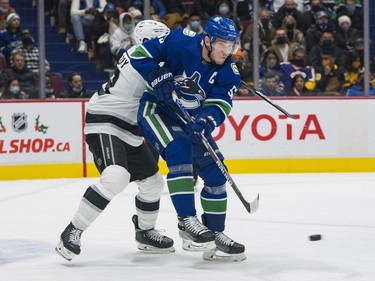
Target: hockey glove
(204, 123)
(162, 81)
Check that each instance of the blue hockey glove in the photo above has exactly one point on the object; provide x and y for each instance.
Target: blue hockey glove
(204, 123)
(162, 81)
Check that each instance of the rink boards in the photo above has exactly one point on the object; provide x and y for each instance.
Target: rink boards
(44, 139)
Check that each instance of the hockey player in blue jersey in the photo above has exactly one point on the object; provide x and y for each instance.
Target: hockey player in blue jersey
(199, 69)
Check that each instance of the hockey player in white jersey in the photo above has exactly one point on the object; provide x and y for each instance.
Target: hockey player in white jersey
(120, 155)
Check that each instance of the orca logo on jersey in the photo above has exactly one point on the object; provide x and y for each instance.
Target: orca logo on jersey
(160, 79)
(192, 92)
(190, 86)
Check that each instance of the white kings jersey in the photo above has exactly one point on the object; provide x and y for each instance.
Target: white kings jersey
(113, 109)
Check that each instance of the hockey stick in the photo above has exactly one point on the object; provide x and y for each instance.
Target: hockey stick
(259, 94)
(251, 207)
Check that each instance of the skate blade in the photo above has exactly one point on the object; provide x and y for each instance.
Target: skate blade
(221, 256)
(64, 252)
(155, 250)
(190, 246)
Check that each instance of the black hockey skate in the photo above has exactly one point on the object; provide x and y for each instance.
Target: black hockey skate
(195, 235)
(70, 244)
(226, 250)
(152, 241)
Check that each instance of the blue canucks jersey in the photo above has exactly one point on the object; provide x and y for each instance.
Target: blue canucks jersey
(202, 84)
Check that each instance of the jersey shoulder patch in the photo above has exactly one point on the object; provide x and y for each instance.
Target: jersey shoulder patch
(188, 32)
(234, 68)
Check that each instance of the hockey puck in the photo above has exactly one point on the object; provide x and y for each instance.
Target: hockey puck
(315, 237)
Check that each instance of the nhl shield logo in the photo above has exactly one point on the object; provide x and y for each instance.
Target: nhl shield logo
(19, 122)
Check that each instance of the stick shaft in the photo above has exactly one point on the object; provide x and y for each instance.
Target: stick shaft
(250, 207)
(264, 97)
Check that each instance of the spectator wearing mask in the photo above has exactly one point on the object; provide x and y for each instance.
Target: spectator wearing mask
(353, 11)
(5, 9)
(195, 24)
(25, 76)
(51, 92)
(293, 34)
(266, 34)
(313, 34)
(280, 44)
(75, 87)
(223, 9)
(327, 44)
(13, 91)
(308, 17)
(270, 63)
(297, 63)
(288, 9)
(345, 35)
(123, 37)
(137, 15)
(30, 51)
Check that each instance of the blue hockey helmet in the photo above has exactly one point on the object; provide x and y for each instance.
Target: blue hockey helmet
(222, 28)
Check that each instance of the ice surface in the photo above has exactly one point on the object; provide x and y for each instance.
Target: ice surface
(340, 207)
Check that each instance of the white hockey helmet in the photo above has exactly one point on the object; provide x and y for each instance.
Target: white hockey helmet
(148, 29)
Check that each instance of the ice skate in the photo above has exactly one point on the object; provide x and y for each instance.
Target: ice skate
(226, 250)
(70, 243)
(152, 241)
(195, 235)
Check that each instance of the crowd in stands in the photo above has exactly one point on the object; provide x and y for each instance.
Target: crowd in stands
(306, 47)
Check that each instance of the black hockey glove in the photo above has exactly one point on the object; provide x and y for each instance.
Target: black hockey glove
(162, 81)
(204, 123)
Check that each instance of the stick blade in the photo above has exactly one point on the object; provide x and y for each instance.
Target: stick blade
(253, 206)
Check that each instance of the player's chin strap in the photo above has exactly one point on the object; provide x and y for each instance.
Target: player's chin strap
(251, 207)
(209, 51)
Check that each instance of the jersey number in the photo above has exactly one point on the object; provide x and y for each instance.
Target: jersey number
(112, 81)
